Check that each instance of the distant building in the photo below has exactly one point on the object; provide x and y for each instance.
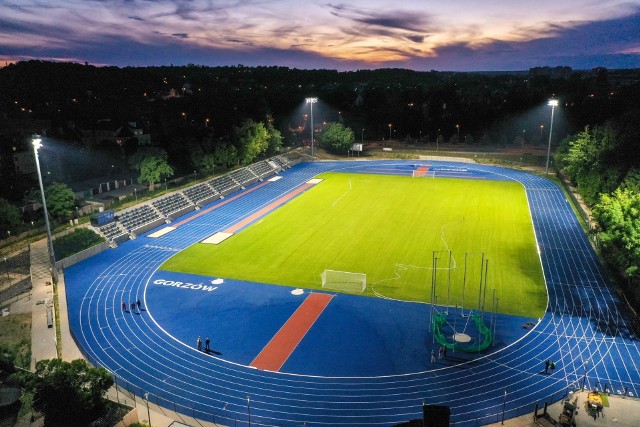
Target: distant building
(551, 72)
(106, 132)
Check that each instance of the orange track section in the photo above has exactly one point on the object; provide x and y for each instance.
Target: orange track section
(230, 199)
(422, 171)
(278, 350)
(271, 206)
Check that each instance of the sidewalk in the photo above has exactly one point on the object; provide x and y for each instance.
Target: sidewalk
(43, 339)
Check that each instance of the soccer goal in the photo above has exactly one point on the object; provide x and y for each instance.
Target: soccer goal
(423, 174)
(344, 281)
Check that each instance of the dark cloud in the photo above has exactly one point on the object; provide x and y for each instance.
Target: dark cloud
(181, 35)
(136, 18)
(408, 21)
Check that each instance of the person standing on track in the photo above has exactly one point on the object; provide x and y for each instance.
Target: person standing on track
(199, 343)
(124, 306)
(138, 304)
(206, 345)
(133, 307)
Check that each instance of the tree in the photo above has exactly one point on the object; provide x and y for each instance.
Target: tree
(61, 200)
(618, 216)
(10, 218)
(225, 154)
(153, 169)
(274, 140)
(69, 393)
(252, 139)
(135, 161)
(336, 138)
(588, 162)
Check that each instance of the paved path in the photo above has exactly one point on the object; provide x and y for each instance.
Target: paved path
(43, 338)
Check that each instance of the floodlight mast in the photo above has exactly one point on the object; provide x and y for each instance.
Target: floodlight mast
(36, 140)
(311, 101)
(553, 103)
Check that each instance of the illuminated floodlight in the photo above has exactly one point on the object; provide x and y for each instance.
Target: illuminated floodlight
(552, 103)
(311, 101)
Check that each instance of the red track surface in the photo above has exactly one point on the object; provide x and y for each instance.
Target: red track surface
(283, 343)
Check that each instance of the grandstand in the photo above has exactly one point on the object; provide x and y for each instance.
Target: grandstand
(224, 184)
(244, 176)
(140, 219)
(201, 194)
(264, 168)
(168, 207)
(174, 205)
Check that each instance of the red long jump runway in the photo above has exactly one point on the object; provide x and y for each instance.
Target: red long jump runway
(278, 350)
(271, 206)
(229, 200)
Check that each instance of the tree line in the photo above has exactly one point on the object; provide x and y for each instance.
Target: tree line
(603, 161)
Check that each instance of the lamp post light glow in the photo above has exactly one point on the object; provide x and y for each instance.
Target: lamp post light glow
(553, 103)
(390, 126)
(311, 101)
(37, 143)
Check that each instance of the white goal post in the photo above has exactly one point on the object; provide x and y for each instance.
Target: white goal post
(344, 281)
(423, 174)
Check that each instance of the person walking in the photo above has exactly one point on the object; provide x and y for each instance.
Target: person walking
(552, 365)
(133, 307)
(206, 344)
(546, 366)
(444, 352)
(138, 304)
(433, 356)
(124, 306)
(440, 352)
(199, 343)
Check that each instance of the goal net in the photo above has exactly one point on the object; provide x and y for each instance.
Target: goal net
(423, 174)
(344, 281)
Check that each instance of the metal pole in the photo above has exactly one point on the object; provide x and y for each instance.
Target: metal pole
(464, 281)
(449, 282)
(311, 145)
(146, 396)
(52, 257)
(553, 104)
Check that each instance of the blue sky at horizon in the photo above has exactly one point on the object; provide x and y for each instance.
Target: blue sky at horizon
(459, 35)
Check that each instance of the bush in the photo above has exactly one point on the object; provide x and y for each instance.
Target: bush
(75, 242)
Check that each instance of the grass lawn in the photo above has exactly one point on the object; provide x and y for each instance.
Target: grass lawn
(389, 227)
(15, 338)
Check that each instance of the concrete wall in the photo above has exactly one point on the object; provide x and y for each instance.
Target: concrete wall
(81, 256)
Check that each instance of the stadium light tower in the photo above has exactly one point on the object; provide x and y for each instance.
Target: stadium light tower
(553, 103)
(36, 140)
(311, 101)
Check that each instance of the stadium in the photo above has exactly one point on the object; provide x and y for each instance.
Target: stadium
(326, 289)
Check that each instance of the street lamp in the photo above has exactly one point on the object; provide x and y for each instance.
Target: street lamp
(36, 140)
(362, 137)
(553, 103)
(458, 129)
(6, 268)
(438, 140)
(195, 176)
(311, 101)
(146, 396)
(390, 126)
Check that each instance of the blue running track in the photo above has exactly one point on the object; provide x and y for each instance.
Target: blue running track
(365, 362)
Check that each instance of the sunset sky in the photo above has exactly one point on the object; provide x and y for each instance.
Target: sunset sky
(456, 35)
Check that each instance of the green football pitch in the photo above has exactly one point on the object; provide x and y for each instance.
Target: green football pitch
(395, 230)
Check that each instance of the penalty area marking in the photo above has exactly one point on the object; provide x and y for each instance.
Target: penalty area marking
(217, 238)
(162, 232)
